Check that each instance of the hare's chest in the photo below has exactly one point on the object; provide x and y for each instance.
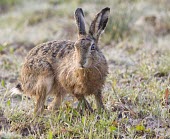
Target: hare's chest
(82, 82)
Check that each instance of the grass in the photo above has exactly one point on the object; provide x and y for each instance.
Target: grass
(137, 89)
(6, 5)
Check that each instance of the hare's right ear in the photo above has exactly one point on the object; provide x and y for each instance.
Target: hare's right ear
(99, 23)
(79, 16)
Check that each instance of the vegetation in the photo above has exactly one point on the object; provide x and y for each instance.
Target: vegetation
(137, 90)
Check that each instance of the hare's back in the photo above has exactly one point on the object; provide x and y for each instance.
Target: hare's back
(43, 56)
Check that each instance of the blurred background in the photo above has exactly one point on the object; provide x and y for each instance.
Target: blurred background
(134, 27)
(137, 30)
(36, 21)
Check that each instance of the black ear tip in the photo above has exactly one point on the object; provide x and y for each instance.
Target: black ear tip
(79, 10)
(106, 9)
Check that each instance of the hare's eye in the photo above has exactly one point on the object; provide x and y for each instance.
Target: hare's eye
(93, 47)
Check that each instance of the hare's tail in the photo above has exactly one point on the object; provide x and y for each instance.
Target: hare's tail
(17, 90)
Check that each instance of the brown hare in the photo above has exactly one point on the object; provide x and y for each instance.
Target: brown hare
(60, 67)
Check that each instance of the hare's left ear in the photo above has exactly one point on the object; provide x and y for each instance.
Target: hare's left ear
(99, 23)
(79, 16)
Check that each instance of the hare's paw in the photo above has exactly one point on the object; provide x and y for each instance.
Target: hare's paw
(55, 104)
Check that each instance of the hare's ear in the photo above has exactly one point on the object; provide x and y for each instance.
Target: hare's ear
(79, 16)
(99, 23)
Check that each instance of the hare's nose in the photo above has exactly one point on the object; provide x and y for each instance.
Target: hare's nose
(81, 63)
(80, 66)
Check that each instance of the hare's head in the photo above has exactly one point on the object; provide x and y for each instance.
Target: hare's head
(86, 47)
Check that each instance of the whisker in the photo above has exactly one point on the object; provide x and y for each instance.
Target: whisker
(88, 70)
(98, 71)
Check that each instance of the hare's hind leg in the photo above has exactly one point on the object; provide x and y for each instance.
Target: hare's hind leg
(40, 100)
(99, 102)
(42, 89)
(59, 93)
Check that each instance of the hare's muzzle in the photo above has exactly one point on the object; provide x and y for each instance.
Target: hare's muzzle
(81, 64)
(83, 52)
(81, 58)
(85, 63)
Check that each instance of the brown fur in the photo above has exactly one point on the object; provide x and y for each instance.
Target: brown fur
(60, 67)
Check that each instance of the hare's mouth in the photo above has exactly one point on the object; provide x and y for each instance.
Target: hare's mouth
(85, 66)
(81, 67)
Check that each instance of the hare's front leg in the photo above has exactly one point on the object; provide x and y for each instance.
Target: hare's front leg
(84, 102)
(55, 104)
(99, 102)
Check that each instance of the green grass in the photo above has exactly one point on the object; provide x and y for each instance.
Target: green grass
(8, 2)
(135, 99)
(6, 5)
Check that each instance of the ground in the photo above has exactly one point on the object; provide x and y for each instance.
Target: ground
(137, 90)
